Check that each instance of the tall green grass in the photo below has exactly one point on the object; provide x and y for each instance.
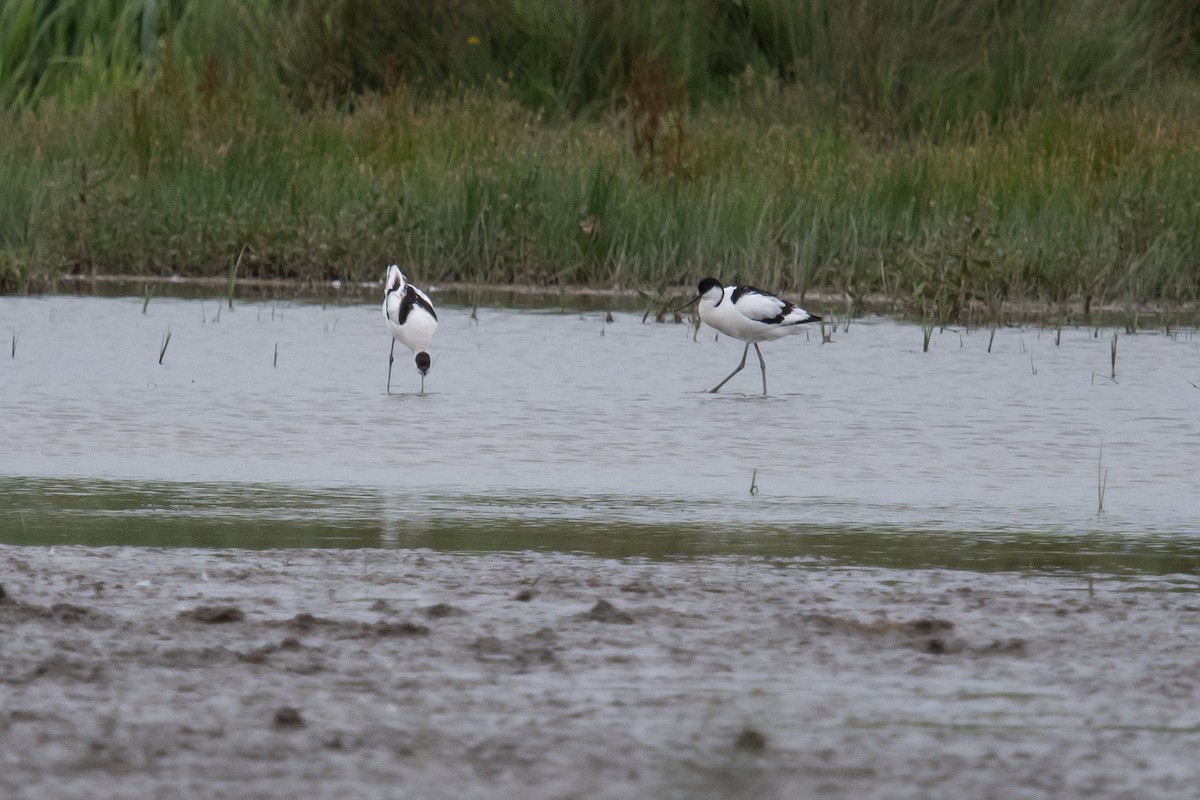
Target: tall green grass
(951, 156)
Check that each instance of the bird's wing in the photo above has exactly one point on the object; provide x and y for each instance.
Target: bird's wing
(423, 300)
(760, 306)
(413, 298)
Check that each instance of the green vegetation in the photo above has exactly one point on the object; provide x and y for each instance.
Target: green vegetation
(947, 154)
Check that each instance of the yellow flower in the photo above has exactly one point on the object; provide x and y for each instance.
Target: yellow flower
(473, 41)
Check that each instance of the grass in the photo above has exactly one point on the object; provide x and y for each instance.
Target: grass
(767, 146)
(487, 192)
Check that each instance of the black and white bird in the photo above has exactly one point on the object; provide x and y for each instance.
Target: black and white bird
(750, 315)
(410, 318)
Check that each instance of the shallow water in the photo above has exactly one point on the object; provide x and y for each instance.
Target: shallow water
(268, 425)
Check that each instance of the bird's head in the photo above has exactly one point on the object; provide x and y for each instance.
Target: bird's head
(423, 362)
(706, 286)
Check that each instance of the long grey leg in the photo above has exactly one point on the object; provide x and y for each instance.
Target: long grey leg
(391, 358)
(762, 364)
(745, 352)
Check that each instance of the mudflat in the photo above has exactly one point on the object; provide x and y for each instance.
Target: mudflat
(139, 672)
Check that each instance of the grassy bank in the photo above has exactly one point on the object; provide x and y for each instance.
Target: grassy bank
(1038, 169)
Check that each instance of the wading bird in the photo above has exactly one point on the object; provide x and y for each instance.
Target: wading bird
(750, 315)
(411, 319)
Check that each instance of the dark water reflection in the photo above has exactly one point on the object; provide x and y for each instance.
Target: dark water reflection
(55, 511)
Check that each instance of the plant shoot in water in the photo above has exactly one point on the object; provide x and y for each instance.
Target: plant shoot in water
(162, 351)
(1114, 357)
(1101, 479)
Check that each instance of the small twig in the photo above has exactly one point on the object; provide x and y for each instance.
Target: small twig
(163, 350)
(754, 482)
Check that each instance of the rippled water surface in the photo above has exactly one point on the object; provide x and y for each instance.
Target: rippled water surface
(268, 425)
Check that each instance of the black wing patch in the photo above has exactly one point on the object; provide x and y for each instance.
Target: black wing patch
(410, 299)
(739, 291)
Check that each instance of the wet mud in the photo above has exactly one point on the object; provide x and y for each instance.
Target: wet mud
(135, 672)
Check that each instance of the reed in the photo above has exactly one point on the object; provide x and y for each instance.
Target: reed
(231, 283)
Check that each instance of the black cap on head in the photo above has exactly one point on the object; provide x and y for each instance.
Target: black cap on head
(709, 283)
(423, 362)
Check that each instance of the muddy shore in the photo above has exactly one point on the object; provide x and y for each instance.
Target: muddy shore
(133, 672)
